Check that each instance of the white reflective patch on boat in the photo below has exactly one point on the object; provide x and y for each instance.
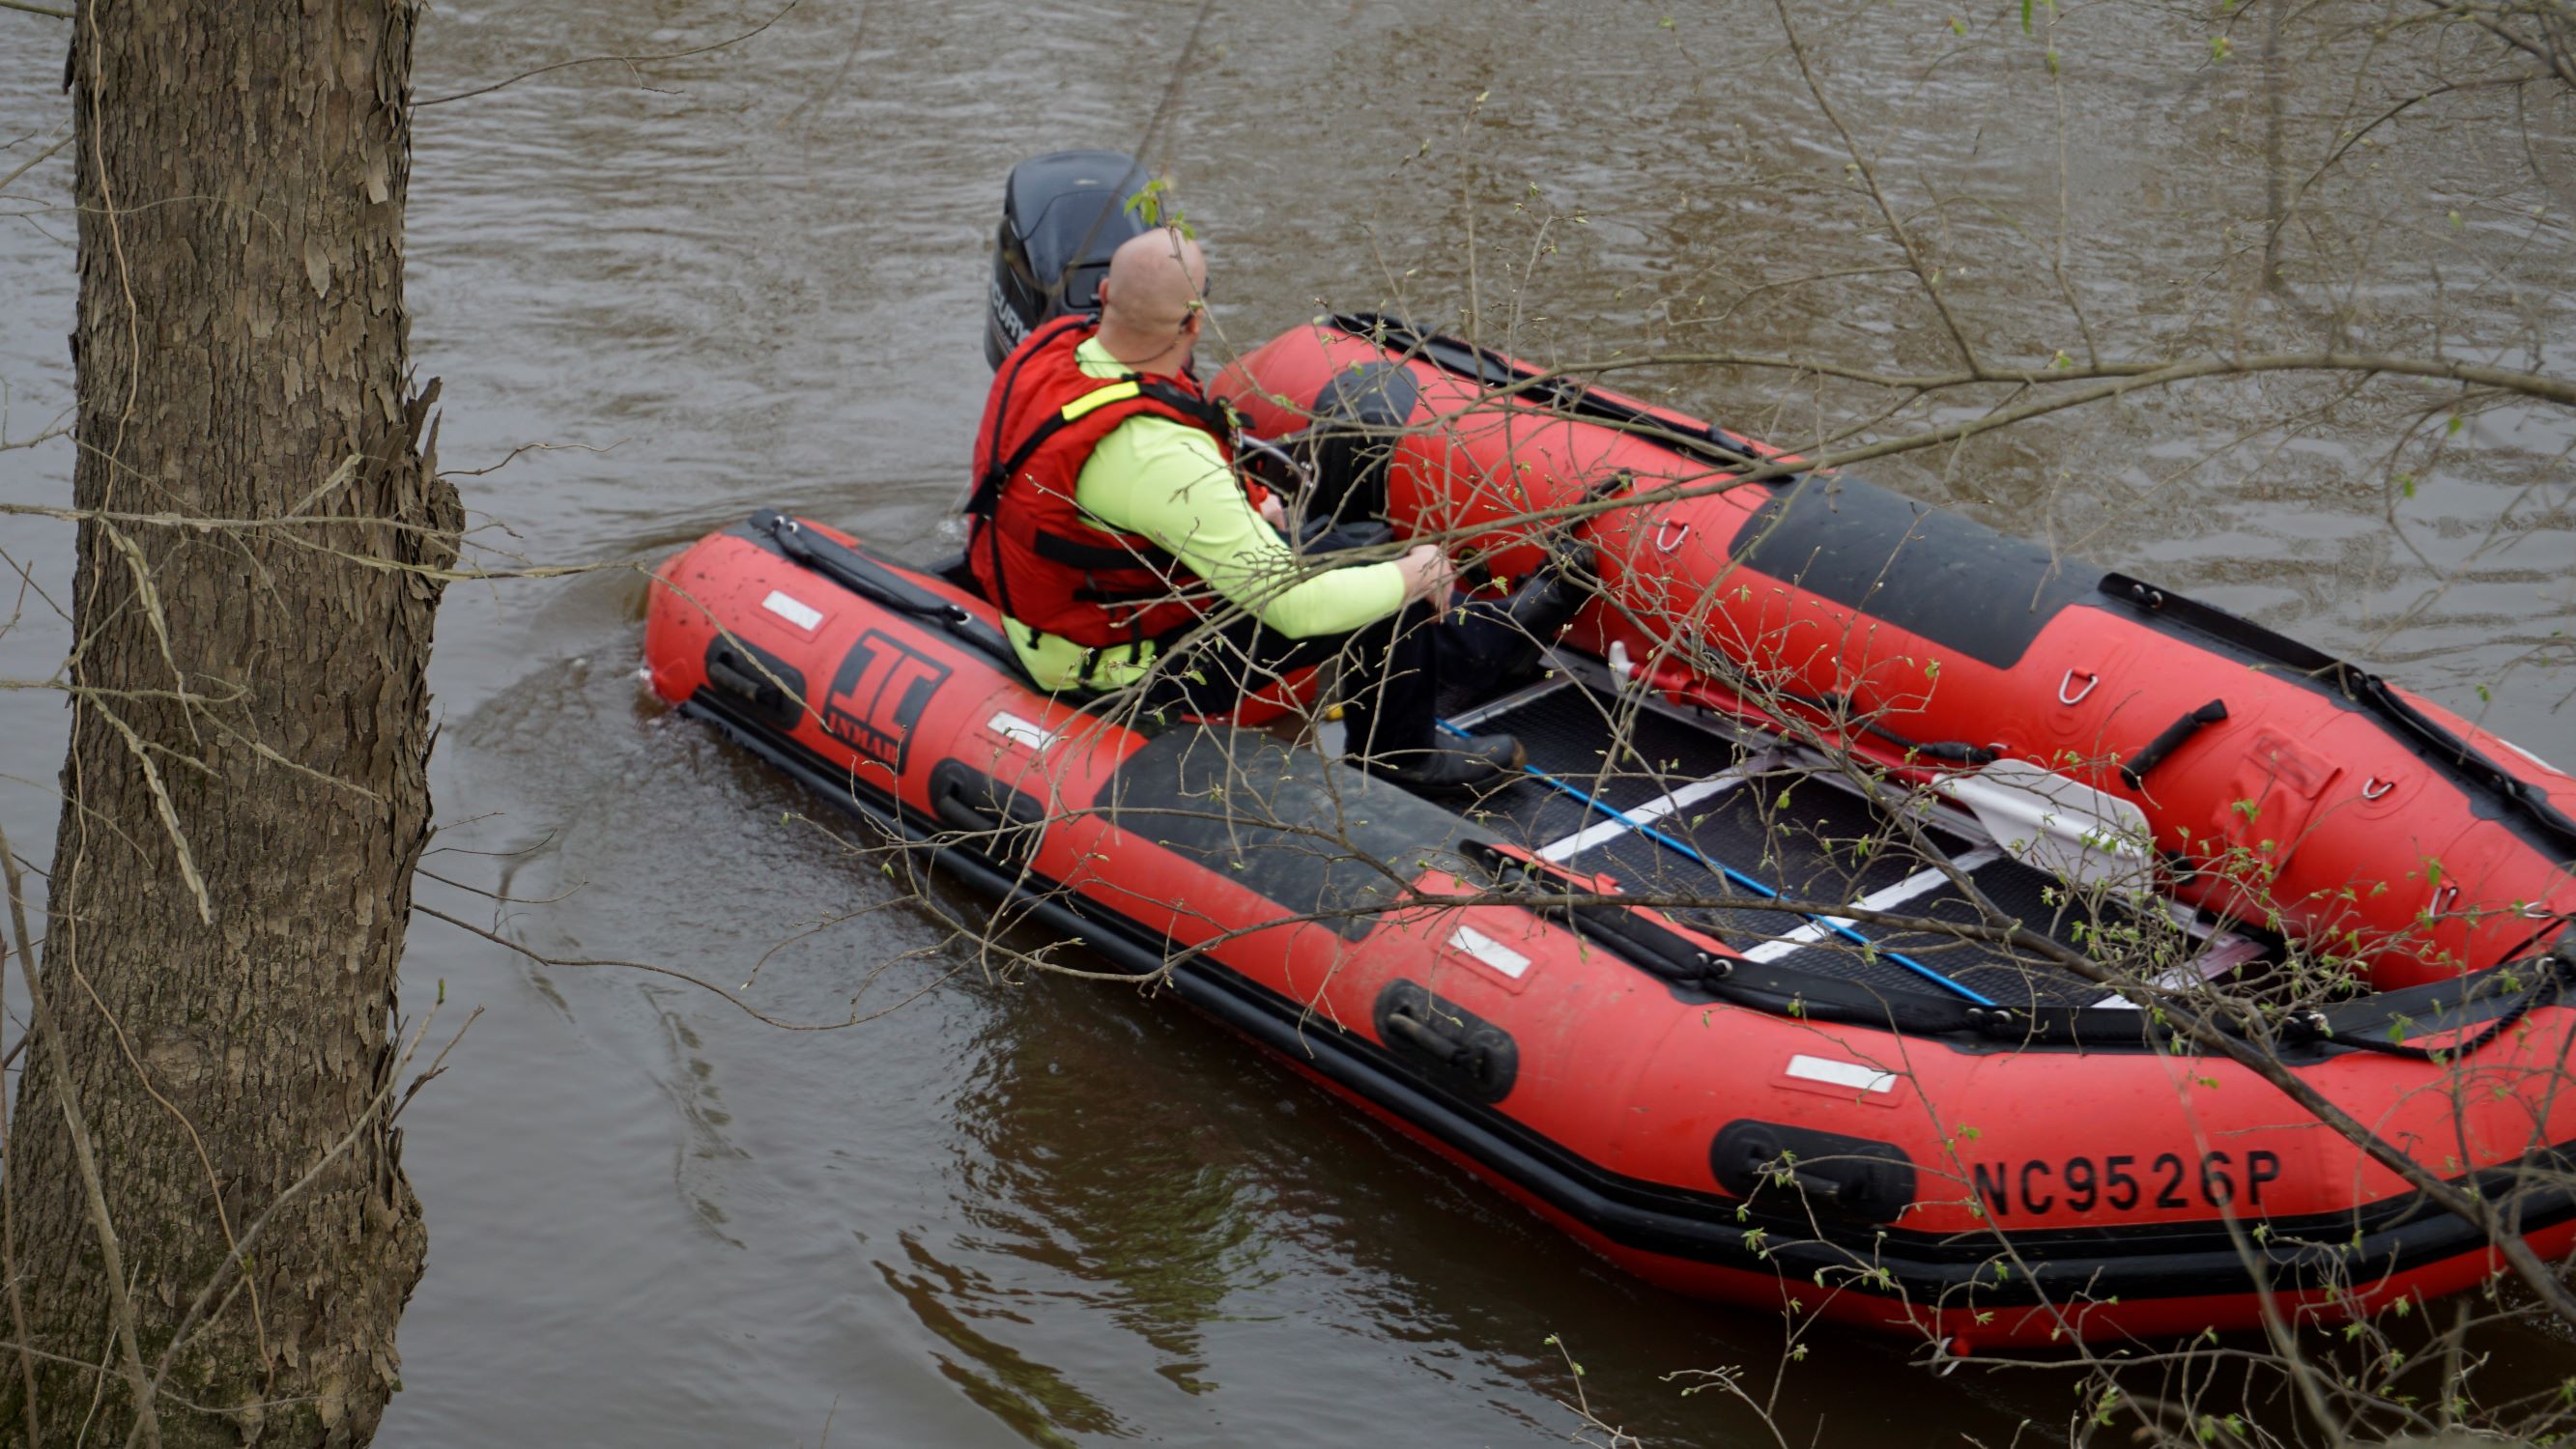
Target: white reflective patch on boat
(795, 611)
(1841, 1074)
(1028, 732)
(1490, 951)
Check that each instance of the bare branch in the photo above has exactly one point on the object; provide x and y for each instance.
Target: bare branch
(147, 1422)
(1923, 270)
(42, 156)
(628, 60)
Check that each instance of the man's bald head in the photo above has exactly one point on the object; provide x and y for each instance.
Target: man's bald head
(1152, 297)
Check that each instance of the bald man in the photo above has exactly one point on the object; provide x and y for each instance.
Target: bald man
(1108, 520)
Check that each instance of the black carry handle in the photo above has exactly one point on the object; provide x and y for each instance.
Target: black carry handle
(1007, 823)
(769, 687)
(1429, 1040)
(2135, 771)
(721, 670)
(1826, 1190)
(1454, 1048)
(961, 814)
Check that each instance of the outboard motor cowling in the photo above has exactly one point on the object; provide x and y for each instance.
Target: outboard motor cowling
(1062, 215)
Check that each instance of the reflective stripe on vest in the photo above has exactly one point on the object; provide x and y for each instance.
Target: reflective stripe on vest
(1103, 397)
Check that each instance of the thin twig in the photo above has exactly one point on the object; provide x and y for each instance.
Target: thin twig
(1923, 271)
(2558, 60)
(147, 1423)
(650, 969)
(602, 59)
(41, 157)
(169, 812)
(25, 950)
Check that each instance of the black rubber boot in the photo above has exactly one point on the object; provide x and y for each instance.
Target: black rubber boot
(1474, 765)
(1501, 642)
(1540, 609)
(1393, 723)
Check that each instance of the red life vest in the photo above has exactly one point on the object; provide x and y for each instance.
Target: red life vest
(1032, 549)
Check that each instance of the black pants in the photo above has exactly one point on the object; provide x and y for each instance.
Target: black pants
(1392, 670)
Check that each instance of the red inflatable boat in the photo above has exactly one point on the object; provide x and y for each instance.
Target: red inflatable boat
(1769, 981)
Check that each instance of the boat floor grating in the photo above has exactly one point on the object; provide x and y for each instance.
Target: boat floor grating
(1787, 831)
(1568, 733)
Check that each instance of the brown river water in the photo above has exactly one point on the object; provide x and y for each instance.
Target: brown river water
(1055, 1213)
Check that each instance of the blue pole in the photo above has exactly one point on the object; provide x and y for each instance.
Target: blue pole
(1739, 878)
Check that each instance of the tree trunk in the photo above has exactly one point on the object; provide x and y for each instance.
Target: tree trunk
(245, 796)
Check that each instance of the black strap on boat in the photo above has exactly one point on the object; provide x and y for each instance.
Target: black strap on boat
(853, 571)
(2443, 749)
(2175, 735)
(1837, 709)
(1954, 752)
(1642, 941)
(881, 585)
(2553, 972)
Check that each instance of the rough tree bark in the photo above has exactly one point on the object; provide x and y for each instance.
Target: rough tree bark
(244, 797)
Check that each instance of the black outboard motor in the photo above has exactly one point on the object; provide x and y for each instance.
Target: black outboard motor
(1062, 215)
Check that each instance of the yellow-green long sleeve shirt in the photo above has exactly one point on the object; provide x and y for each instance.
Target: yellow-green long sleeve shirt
(1169, 482)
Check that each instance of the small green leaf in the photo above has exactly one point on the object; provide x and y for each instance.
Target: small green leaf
(2025, 16)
